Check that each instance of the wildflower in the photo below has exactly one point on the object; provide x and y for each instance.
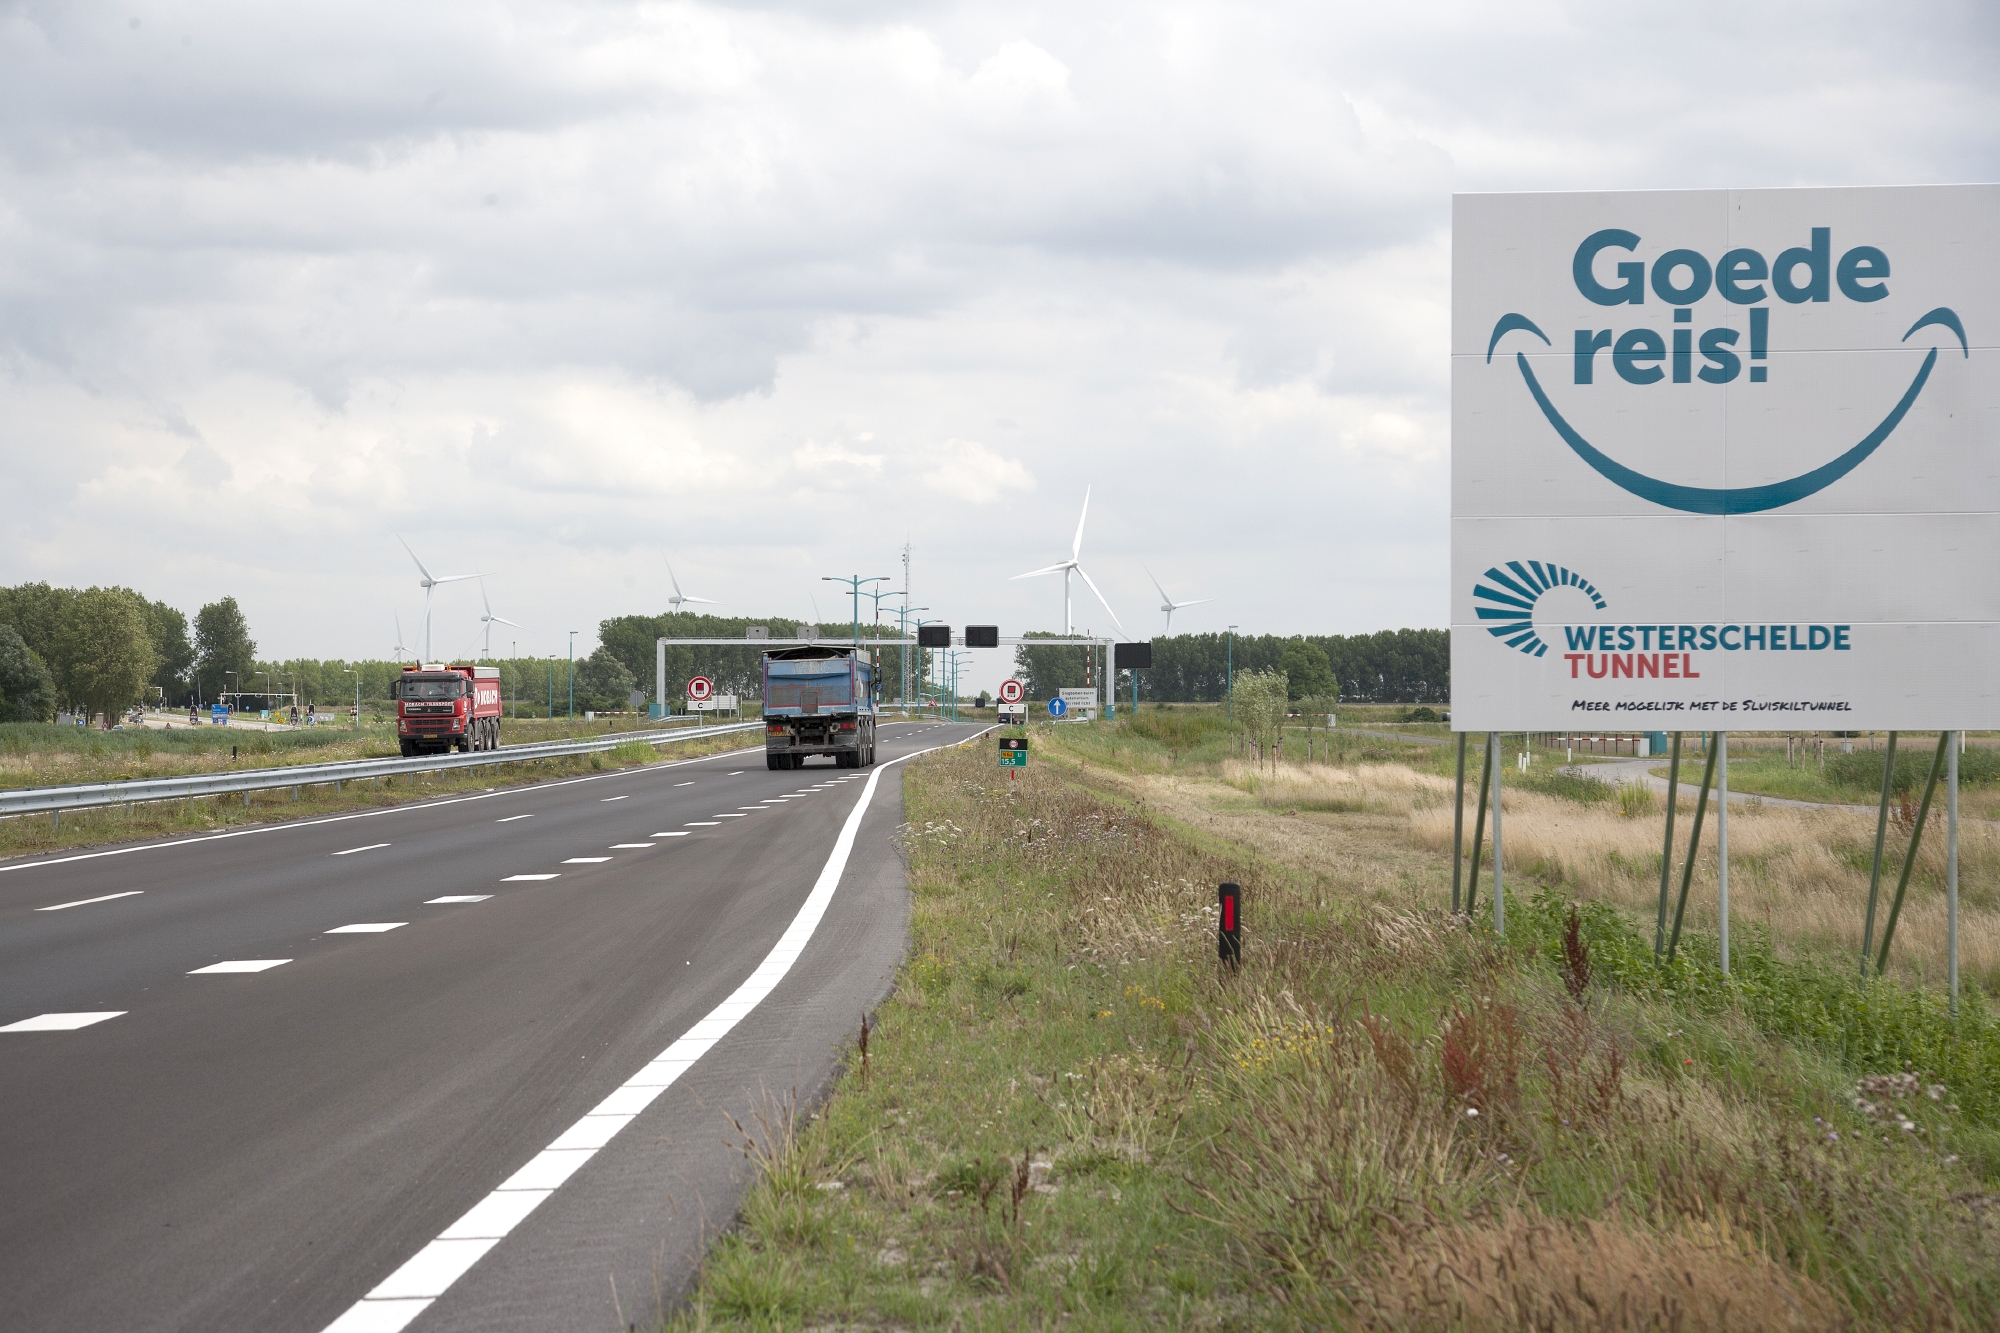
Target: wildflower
(1472, 1112)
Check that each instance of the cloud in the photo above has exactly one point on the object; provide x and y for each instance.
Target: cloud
(969, 471)
(557, 285)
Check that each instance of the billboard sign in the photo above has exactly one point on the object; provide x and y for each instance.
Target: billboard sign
(1724, 459)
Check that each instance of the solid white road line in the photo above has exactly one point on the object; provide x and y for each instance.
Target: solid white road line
(511, 818)
(513, 878)
(352, 850)
(241, 965)
(459, 898)
(61, 1022)
(407, 1292)
(85, 902)
(367, 927)
(586, 860)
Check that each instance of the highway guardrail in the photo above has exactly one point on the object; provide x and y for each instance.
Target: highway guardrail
(87, 795)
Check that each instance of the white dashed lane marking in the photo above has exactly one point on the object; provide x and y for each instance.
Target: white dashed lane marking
(611, 798)
(684, 784)
(586, 860)
(61, 1022)
(85, 902)
(367, 927)
(727, 815)
(703, 823)
(514, 878)
(511, 818)
(240, 965)
(629, 846)
(458, 898)
(369, 848)
(677, 833)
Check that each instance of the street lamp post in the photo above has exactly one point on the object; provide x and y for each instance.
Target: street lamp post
(572, 676)
(854, 582)
(552, 687)
(923, 673)
(903, 632)
(357, 695)
(231, 706)
(1229, 679)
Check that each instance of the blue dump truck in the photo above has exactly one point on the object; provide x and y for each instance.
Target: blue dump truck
(819, 700)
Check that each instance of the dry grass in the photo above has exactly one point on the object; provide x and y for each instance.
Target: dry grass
(1529, 1272)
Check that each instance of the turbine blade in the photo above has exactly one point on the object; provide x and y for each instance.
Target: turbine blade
(413, 555)
(706, 601)
(1196, 602)
(482, 597)
(1100, 597)
(1076, 547)
(1052, 569)
(1156, 584)
(678, 594)
(502, 620)
(457, 578)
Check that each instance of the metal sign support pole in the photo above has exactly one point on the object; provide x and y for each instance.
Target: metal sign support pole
(1951, 870)
(1910, 857)
(1667, 848)
(1499, 889)
(1478, 828)
(1458, 827)
(1722, 847)
(1694, 842)
(1875, 871)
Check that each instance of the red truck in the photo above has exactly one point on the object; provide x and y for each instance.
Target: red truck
(439, 707)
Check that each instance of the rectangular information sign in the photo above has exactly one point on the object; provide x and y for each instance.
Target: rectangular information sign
(1725, 460)
(1013, 752)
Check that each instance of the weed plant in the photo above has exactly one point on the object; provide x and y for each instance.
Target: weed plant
(1072, 1114)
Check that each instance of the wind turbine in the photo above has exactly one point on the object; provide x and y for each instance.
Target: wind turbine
(490, 620)
(1168, 604)
(1074, 564)
(427, 583)
(679, 596)
(401, 651)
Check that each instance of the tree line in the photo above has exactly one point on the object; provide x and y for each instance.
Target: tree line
(101, 650)
(1391, 666)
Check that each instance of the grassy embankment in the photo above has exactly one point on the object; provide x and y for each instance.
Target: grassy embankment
(1067, 1113)
(33, 756)
(1856, 778)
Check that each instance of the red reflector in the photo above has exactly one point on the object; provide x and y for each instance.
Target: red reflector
(1229, 913)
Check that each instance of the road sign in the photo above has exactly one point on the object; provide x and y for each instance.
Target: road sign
(1013, 715)
(1079, 701)
(1012, 692)
(1057, 708)
(1013, 752)
(700, 687)
(1715, 461)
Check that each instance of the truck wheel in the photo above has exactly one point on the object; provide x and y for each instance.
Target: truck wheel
(408, 749)
(771, 762)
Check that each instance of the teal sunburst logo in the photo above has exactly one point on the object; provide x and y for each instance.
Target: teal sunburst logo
(1516, 597)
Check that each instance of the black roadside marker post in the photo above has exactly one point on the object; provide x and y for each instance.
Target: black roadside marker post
(1229, 926)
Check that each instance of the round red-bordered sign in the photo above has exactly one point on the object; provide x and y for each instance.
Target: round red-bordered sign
(1011, 692)
(700, 687)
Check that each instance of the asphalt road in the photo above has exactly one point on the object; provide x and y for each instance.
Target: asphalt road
(263, 1149)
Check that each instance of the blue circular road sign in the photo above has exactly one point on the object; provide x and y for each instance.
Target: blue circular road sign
(1057, 708)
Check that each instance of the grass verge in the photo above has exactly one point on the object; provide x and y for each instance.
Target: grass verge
(1068, 1113)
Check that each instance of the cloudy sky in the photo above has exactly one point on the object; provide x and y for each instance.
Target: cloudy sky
(555, 290)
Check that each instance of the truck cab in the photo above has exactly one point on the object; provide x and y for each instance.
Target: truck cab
(440, 708)
(819, 699)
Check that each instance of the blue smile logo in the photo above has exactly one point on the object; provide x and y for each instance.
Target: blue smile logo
(1736, 499)
(1508, 600)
